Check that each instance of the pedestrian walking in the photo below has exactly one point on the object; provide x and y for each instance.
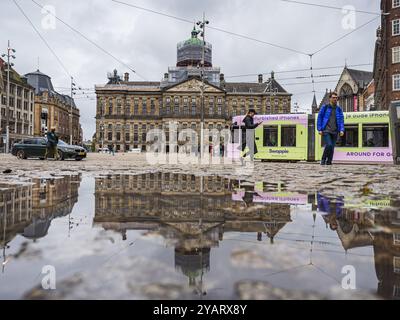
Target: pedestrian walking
(111, 149)
(248, 135)
(52, 142)
(330, 125)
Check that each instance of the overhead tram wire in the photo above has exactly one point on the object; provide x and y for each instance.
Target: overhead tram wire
(297, 70)
(309, 77)
(344, 36)
(311, 55)
(210, 27)
(42, 38)
(47, 45)
(303, 83)
(239, 35)
(88, 39)
(330, 7)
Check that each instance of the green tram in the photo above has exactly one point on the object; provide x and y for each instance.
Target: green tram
(293, 137)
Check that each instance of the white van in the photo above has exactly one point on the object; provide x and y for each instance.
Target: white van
(135, 150)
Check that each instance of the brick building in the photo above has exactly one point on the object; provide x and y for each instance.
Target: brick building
(387, 56)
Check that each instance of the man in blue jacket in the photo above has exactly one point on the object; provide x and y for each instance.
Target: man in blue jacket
(330, 124)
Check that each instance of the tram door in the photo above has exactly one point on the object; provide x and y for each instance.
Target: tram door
(311, 138)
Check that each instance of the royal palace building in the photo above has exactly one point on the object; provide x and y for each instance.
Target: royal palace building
(127, 110)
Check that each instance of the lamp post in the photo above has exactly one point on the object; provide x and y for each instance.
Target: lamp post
(102, 135)
(272, 91)
(9, 55)
(202, 25)
(73, 89)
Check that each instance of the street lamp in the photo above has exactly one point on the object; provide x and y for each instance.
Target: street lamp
(102, 135)
(9, 56)
(272, 91)
(73, 89)
(202, 25)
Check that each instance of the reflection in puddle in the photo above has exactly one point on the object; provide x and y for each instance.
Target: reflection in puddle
(223, 235)
(28, 209)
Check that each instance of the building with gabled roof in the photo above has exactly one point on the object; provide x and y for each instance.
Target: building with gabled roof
(53, 109)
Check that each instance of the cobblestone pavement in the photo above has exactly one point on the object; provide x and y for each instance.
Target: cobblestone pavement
(104, 266)
(354, 180)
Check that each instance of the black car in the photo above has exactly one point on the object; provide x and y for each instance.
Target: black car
(36, 148)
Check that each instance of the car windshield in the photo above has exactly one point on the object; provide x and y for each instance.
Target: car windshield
(62, 143)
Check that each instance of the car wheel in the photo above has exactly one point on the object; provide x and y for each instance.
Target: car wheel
(78, 159)
(21, 154)
(60, 155)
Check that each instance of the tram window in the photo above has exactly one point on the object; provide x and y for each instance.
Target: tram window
(350, 138)
(376, 136)
(270, 136)
(289, 136)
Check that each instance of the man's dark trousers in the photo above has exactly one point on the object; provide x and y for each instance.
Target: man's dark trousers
(330, 142)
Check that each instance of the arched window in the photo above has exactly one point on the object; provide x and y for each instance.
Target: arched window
(346, 98)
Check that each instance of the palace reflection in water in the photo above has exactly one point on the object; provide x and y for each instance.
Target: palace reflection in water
(193, 213)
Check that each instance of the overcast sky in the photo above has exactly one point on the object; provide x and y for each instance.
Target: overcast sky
(147, 42)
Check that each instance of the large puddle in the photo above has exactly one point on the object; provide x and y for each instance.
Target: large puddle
(175, 236)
